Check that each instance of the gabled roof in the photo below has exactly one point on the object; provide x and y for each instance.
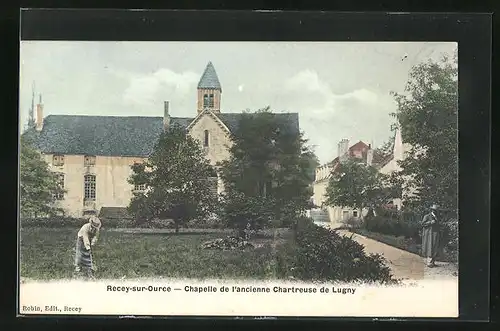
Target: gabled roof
(118, 136)
(379, 160)
(384, 160)
(209, 79)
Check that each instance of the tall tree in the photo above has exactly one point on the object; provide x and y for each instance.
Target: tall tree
(270, 161)
(39, 186)
(428, 115)
(177, 181)
(357, 185)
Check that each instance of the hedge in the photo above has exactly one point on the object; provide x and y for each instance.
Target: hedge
(320, 254)
(395, 227)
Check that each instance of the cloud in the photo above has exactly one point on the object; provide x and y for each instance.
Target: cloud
(146, 89)
(308, 80)
(363, 96)
(326, 117)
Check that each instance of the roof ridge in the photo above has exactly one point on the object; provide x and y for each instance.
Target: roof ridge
(112, 116)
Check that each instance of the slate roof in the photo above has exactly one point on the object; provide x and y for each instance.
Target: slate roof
(288, 121)
(209, 79)
(100, 135)
(118, 136)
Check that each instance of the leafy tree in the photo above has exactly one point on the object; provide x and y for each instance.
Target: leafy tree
(313, 163)
(177, 180)
(39, 186)
(387, 147)
(357, 185)
(427, 113)
(269, 161)
(241, 211)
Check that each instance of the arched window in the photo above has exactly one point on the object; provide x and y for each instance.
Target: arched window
(205, 142)
(205, 101)
(211, 101)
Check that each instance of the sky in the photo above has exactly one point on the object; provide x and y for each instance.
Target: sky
(339, 89)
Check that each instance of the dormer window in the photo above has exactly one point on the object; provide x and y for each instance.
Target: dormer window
(58, 160)
(89, 160)
(206, 139)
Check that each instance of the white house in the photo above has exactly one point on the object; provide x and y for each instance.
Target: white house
(365, 153)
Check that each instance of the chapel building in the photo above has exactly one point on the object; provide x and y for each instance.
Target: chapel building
(93, 155)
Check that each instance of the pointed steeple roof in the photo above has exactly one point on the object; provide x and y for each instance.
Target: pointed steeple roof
(209, 79)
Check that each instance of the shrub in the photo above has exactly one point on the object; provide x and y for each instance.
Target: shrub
(393, 227)
(240, 211)
(53, 222)
(353, 223)
(450, 238)
(213, 221)
(407, 244)
(320, 254)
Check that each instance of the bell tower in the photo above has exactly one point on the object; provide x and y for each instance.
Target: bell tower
(209, 90)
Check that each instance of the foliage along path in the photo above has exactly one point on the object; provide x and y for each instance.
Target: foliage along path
(404, 265)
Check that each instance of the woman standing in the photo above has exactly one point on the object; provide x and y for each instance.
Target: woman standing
(86, 239)
(431, 236)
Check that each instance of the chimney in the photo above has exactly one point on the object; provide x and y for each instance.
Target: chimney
(166, 116)
(343, 149)
(369, 155)
(39, 115)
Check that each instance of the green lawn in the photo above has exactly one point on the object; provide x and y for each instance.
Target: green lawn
(49, 254)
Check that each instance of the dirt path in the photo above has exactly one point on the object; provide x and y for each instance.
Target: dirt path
(404, 265)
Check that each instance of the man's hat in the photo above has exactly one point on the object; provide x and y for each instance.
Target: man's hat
(95, 222)
(435, 207)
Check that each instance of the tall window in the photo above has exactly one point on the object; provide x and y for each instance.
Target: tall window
(60, 182)
(355, 213)
(89, 160)
(90, 191)
(205, 101)
(205, 141)
(208, 101)
(213, 181)
(58, 160)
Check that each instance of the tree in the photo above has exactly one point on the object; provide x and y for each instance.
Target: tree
(427, 114)
(387, 147)
(269, 161)
(357, 185)
(241, 211)
(177, 181)
(39, 186)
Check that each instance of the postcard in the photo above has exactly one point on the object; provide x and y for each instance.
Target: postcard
(238, 178)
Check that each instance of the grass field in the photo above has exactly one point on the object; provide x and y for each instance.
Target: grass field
(49, 254)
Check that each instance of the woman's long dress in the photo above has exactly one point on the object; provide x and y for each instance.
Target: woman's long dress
(430, 237)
